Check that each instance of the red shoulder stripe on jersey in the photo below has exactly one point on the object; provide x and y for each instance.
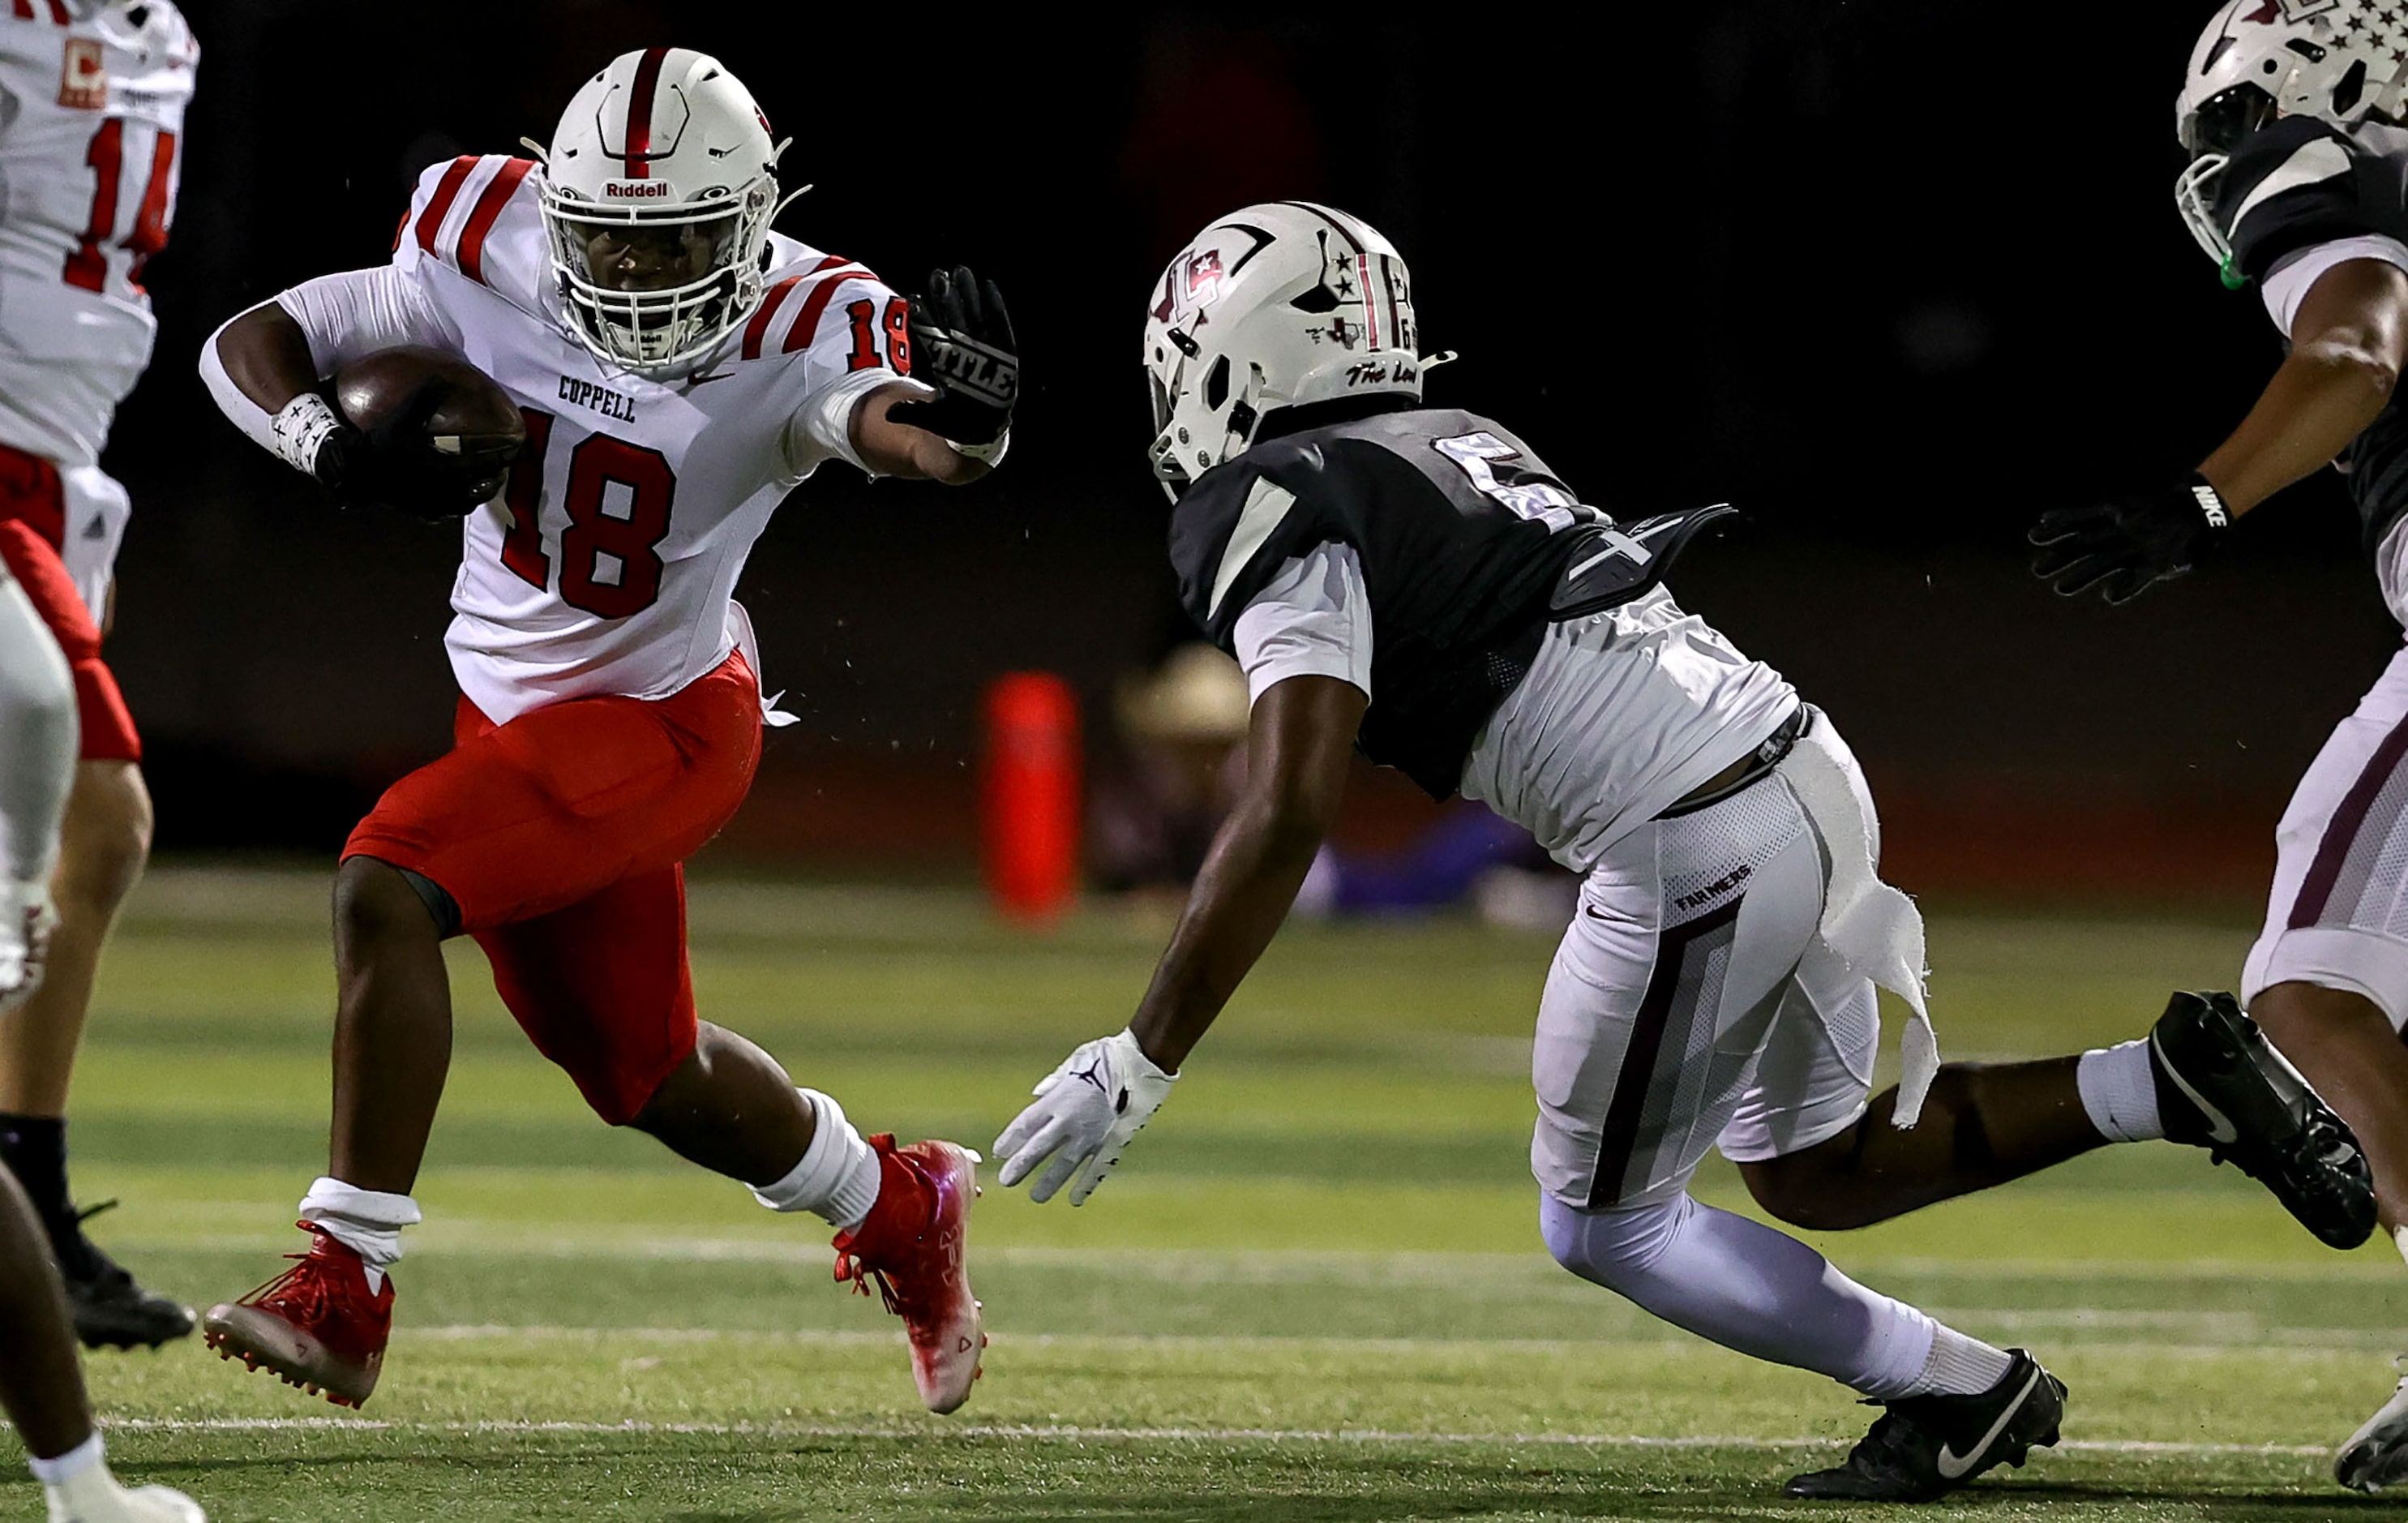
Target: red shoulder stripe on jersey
(25, 11)
(639, 113)
(438, 205)
(758, 328)
(60, 13)
(489, 210)
(807, 322)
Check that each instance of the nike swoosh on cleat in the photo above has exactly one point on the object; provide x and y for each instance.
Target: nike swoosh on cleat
(2219, 1127)
(1953, 1469)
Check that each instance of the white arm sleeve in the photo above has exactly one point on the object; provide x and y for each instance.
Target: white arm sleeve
(1314, 620)
(254, 420)
(2287, 285)
(822, 430)
(342, 316)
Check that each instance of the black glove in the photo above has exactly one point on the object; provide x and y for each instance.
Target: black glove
(399, 464)
(962, 345)
(2126, 546)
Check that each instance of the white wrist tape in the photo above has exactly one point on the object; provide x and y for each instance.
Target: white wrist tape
(301, 426)
(990, 455)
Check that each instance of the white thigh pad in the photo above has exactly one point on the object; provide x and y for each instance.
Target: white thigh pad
(1663, 993)
(1817, 1072)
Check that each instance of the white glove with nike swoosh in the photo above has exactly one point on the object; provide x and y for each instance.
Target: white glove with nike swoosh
(1086, 1111)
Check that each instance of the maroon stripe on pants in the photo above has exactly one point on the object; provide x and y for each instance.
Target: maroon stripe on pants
(1620, 1134)
(2333, 853)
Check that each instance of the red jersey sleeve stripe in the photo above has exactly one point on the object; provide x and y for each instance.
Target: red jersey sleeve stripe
(438, 205)
(488, 210)
(60, 14)
(807, 322)
(758, 328)
(25, 11)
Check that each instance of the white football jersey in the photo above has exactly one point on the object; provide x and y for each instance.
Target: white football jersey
(609, 565)
(90, 155)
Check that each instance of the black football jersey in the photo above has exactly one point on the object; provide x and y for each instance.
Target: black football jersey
(2300, 182)
(1463, 534)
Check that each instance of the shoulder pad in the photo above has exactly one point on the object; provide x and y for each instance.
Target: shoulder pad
(1621, 563)
(2291, 186)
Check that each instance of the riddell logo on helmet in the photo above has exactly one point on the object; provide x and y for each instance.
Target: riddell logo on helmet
(637, 190)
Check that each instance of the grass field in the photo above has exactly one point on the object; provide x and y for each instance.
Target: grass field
(1314, 1290)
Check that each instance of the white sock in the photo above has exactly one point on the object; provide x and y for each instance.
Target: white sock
(1961, 1366)
(1747, 1288)
(2119, 1092)
(367, 1222)
(839, 1175)
(84, 1457)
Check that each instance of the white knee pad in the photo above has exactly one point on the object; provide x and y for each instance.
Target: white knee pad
(2346, 957)
(1617, 1249)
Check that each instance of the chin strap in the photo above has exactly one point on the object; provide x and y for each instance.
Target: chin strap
(542, 154)
(1431, 362)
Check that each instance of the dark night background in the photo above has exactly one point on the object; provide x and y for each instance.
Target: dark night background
(1893, 276)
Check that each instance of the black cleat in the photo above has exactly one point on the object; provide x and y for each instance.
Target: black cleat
(110, 1310)
(1926, 1446)
(2221, 1086)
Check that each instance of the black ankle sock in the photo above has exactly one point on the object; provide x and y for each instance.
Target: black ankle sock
(35, 1148)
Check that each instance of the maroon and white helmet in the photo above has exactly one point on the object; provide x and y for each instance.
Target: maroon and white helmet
(2339, 60)
(1273, 306)
(664, 139)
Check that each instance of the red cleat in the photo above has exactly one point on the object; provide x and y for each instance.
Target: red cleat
(912, 1244)
(317, 1326)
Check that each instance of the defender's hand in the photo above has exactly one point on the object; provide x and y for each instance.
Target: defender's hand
(962, 344)
(1086, 1112)
(2128, 545)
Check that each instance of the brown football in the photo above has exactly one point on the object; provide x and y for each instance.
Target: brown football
(471, 415)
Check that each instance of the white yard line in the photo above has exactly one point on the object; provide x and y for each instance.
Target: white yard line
(1075, 1434)
(2286, 1343)
(1269, 1266)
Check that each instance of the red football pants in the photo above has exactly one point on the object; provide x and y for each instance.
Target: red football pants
(33, 525)
(561, 836)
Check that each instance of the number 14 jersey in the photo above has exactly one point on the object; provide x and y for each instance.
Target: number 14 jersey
(88, 159)
(609, 565)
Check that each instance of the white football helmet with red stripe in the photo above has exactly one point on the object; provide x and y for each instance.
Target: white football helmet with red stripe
(663, 150)
(1273, 306)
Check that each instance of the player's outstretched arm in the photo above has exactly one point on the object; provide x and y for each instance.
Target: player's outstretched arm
(1299, 748)
(893, 447)
(2350, 338)
(2348, 342)
(954, 424)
